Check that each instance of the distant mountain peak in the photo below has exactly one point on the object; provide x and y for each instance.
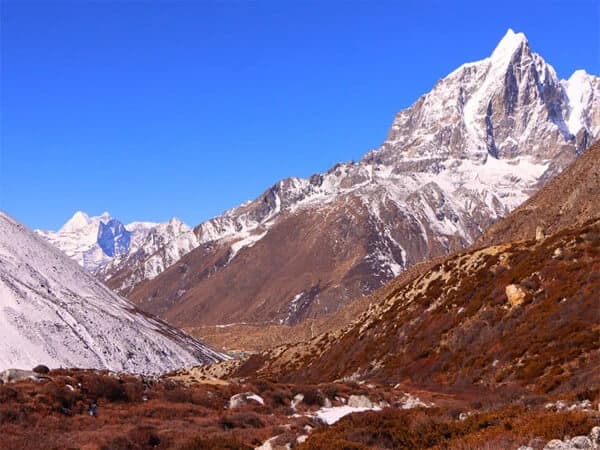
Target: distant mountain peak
(101, 244)
(78, 221)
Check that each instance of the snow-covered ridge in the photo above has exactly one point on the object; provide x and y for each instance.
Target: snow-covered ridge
(101, 244)
(53, 313)
(458, 105)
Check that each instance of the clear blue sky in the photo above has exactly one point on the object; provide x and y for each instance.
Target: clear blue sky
(158, 109)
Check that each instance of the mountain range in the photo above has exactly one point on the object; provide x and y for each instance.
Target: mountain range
(102, 244)
(454, 272)
(475, 147)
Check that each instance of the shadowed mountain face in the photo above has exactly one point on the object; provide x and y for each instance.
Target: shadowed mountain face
(113, 238)
(465, 154)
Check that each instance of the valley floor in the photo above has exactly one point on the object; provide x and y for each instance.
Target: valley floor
(134, 412)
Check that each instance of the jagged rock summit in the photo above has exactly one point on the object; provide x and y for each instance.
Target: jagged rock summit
(53, 313)
(476, 146)
(507, 105)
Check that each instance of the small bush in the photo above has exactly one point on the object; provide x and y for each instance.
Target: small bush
(105, 387)
(241, 419)
(11, 415)
(60, 397)
(312, 396)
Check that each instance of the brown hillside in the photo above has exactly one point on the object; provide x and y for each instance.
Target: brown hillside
(307, 265)
(455, 325)
(249, 337)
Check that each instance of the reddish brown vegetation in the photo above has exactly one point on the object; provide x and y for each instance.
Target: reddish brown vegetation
(137, 413)
(132, 413)
(459, 330)
(436, 428)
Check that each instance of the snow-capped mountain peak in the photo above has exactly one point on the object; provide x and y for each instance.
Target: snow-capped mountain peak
(77, 222)
(98, 241)
(583, 91)
(508, 46)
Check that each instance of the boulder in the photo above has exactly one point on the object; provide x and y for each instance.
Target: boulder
(360, 401)
(595, 436)
(581, 442)
(515, 295)
(557, 444)
(558, 253)
(44, 370)
(298, 398)
(244, 398)
(540, 235)
(14, 375)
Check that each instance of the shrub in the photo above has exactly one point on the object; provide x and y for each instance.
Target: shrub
(312, 396)
(139, 438)
(105, 387)
(61, 397)
(241, 419)
(279, 397)
(8, 394)
(11, 415)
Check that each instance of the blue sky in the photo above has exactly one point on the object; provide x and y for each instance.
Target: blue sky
(158, 109)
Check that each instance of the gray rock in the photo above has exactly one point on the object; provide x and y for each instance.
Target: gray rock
(595, 436)
(581, 442)
(14, 375)
(244, 398)
(360, 401)
(557, 444)
(44, 370)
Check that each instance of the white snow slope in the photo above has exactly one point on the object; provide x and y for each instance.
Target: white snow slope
(54, 313)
